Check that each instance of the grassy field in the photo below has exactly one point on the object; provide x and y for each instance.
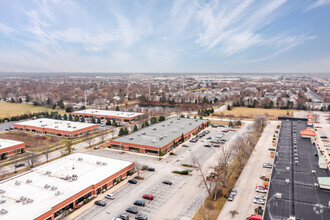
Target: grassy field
(14, 109)
(249, 113)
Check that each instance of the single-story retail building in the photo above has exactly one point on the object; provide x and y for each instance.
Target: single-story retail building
(106, 114)
(9, 147)
(161, 136)
(60, 128)
(54, 189)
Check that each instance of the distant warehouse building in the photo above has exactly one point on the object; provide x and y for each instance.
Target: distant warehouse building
(53, 189)
(160, 136)
(60, 128)
(106, 114)
(9, 147)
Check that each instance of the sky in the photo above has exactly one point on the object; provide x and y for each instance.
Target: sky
(273, 36)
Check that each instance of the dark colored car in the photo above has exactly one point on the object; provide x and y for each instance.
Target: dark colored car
(132, 181)
(100, 203)
(184, 145)
(132, 210)
(167, 182)
(194, 140)
(139, 203)
(324, 137)
(148, 196)
(123, 217)
(19, 165)
(151, 169)
(141, 217)
(271, 149)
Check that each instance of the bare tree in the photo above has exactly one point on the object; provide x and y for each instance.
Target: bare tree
(31, 158)
(68, 149)
(16, 160)
(46, 153)
(260, 122)
(199, 166)
(1, 170)
(224, 158)
(90, 142)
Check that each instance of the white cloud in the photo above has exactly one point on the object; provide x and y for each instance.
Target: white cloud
(318, 3)
(5, 29)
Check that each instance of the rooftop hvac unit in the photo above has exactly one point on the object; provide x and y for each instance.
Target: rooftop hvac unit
(287, 181)
(48, 172)
(316, 185)
(2, 191)
(292, 218)
(163, 125)
(104, 164)
(154, 129)
(161, 138)
(28, 181)
(46, 186)
(287, 168)
(40, 121)
(80, 158)
(296, 151)
(57, 193)
(68, 177)
(3, 211)
(17, 183)
(56, 126)
(74, 127)
(296, 156)
(54, 188)
(29, 200)
(143, 133)
(278, 195)
(98, 163)
(69, 126)
(313, 172)
(296, 162)
(74, 177)
(153, 141)
(131, 138)
(22, 199)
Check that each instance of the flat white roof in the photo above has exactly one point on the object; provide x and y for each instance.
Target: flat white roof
(4, 143)
(90, 170)
(109, 113)
(55, 124)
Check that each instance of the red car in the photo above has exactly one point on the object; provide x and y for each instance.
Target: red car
(263, 187)
(225, 131)
(148, 196)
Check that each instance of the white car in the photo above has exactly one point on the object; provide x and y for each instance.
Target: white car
(259, 196)
(259, 201)
(110, 196)
(261, 190)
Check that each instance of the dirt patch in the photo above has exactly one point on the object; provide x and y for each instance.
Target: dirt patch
(31, 141)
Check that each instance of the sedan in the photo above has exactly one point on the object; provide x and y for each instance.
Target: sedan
(230, 197)
(324, 137)
(141, 217)
(122, 217)
(259, 196)
(207, 145)
(193, 140)
(19, 165)
(267, 165)
(208, 138)
(184, 145)
(261, 190)
(100, 203)
(139, 203)
(167, 182)
(110, 196)
(148, 196)
(132, 210)
(132, 181)
(234, 192)
(151, 169)
(259, 201)
(225, 131)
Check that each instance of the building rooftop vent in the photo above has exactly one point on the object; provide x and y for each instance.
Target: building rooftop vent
(278, 195)
(17, 183)
(3, 211)
(98, 162)
(2, 191)
(80, 158)
(313, 172)
(68, 177)
(104, 164)
(287, 181)
(46, 186)
(48, 172)
(53, 188)
(316, 185)
(74, 177)
(57, 193)
(143, 133)
(28, 181)
(131, 138)
(287, 168)
(29, 200)
(154, 129)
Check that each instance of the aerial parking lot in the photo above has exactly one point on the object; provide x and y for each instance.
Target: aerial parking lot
(170, 201)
